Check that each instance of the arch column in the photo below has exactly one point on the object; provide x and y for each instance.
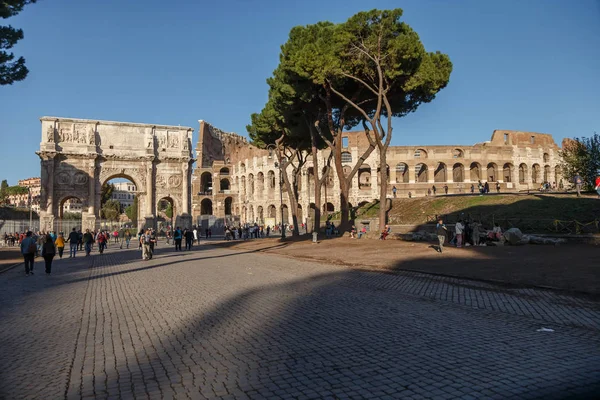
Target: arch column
(89, 220)
(431, 173)
(149, 217)
(411, 172)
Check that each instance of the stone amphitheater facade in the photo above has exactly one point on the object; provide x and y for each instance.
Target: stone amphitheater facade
(236, 181)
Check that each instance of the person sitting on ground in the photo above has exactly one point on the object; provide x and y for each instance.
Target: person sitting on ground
(353, 232)
(496, 233)
(362, 232)
(385, 232)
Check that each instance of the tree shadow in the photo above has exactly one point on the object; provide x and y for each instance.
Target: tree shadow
(352, 333)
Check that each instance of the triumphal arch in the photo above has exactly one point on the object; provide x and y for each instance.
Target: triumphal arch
(78, 156)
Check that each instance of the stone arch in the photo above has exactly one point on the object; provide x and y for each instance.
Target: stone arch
(242, 168)
(143, 198)
(205, 183)
(329, 207)
(286, 213)
(260, 214)
(224, 171)
(206, 207)
(458, 172)
(557, 174)
(547, 173)
(401, 173)
(535, 173)
(224, 185)
(300, 214)
(507, 172)
(492, 172)
(243, 186)
(458, 153)
(522, 173)
(67, 225)
(164, 220)
(251, 213)
(420, 153)
(271, 179)
(546, 158)
(440, 174)
(272, 211)
(346, 169)
(364, 177)
(475, 171)
(228, 203)
(387, 169)
(260, 184)
(79, 155)
(421, 173)
(250, 184)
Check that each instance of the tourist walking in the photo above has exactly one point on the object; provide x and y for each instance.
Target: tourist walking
(177, 236)
(497, 187)
(446, 189)
(28, 249)
(60, 244)
(146, 242)
(48, 252)
(195, 235)
(73, 243)
(88, 239)
(434, 189)
(127, 237)
(394, 190)
(441, 231)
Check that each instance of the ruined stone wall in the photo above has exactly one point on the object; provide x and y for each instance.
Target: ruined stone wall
(511, 159)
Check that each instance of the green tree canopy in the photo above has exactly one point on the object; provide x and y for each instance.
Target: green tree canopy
(132, 211)
(107, 191)
(111, 210)
(361, 72)
(11, 70)
(581, 156)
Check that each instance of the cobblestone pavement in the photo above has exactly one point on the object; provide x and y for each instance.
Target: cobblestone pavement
(216, 323)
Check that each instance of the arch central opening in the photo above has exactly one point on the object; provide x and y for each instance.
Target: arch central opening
(119, 203)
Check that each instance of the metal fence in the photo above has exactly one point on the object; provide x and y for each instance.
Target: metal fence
(18, 225)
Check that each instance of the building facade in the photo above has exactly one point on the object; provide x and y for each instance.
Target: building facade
(124, 193)
(22, 200)
(236, 181)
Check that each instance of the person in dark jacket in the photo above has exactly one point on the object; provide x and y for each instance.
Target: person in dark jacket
(28, 248)
(189, 238)
(48, 252)
(441, 231)
(73, 242)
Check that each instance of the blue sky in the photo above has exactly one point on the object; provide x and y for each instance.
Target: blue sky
(522, 65)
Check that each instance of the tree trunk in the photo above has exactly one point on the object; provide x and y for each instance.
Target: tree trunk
(293, 200)
(382, 186)
(316, 182)
(344, 183)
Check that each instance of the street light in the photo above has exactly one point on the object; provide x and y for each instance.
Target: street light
(277, 165)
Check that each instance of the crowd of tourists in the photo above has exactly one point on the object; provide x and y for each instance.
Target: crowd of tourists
(256, 231)
(467, 233)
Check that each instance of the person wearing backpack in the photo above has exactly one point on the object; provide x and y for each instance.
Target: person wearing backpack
(28, 249)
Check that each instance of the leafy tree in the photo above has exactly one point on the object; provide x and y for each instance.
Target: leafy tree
(106, 193)
(169, 210)
(132, 211)
(71, 215)
(371, 68)
(11, 71)
(270, 128)
(581, 156)
(111, 210)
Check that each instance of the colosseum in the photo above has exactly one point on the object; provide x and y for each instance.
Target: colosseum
(235, 181)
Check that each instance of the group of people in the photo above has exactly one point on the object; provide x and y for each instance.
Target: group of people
(466, 233)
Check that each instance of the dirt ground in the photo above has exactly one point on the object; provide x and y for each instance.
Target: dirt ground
(574, 268)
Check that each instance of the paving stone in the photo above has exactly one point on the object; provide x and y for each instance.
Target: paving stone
(197, 325)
